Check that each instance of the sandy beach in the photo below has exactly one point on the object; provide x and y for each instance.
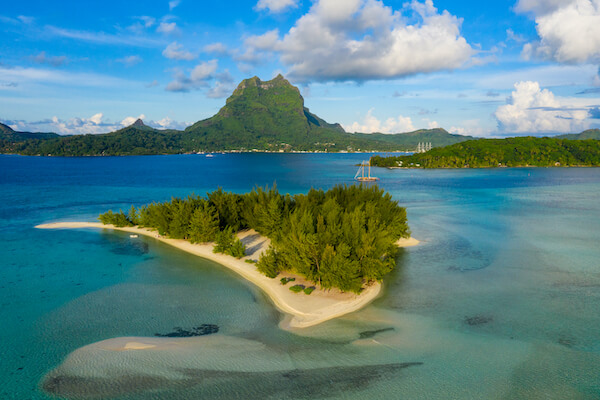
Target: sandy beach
(301, 310)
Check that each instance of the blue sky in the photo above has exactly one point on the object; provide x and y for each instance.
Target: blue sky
(482, 68)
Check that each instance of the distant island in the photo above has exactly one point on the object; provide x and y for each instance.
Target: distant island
(574, 151)
(318, 255)
(258, 116)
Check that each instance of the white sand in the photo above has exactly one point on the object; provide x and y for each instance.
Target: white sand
(303, 310)
(407, 242)
(138, 346)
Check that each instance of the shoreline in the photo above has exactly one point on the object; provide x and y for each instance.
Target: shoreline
(301, 310)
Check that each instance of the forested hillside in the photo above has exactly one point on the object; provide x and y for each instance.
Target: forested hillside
(266, 116)
(511, 152)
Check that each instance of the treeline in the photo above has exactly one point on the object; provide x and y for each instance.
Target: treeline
(222, 135)
(127, 141)
(511, 152)
(342, 238)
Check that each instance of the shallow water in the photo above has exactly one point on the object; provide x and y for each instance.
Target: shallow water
(501, 299)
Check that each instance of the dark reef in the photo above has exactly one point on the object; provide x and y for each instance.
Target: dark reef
(204, 329)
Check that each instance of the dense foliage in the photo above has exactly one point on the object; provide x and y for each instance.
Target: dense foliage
(588, 134)
(511, 152)
(267, 116)
(341, 238)
(8, 136)
(227, 243)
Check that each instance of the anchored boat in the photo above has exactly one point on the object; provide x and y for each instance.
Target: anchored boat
(360, 174)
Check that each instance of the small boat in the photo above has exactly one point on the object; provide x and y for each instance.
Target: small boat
(133, 236)
(209, 155)
(360, 174)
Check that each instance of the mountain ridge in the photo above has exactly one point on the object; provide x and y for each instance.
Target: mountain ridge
(8, 133)
(259, 115)
(587, 134)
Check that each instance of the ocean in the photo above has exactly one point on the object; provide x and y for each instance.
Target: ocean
(501, 300)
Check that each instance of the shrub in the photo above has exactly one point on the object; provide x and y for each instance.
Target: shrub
(267, 264)
(237, 249)
(309, 290)
(117, 219)
(224, 241)
(297, 288)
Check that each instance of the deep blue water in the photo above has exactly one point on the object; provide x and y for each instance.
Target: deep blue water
(500, 300)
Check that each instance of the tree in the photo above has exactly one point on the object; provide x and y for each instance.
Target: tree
(224, 240)
(204, 223)
(181, 214)
(237, 249)
(268, 263)
(132, 216)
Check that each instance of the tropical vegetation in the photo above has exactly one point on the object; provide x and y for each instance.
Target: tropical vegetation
(511, 152)
(341, 238)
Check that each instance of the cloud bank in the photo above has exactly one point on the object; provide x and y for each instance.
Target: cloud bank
(95, 124)
(359, 40)
(370, 124)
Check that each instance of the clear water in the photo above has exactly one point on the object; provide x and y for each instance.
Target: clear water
(501, 300)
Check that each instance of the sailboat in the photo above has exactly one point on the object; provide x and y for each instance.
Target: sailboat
(360, 174)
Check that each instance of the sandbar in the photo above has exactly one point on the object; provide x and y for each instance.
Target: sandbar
(138, 346)
(301, 310)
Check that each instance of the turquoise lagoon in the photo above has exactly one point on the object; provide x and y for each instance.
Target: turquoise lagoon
(501, 300)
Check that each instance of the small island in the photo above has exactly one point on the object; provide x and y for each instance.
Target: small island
(318, 255)
(510, 152)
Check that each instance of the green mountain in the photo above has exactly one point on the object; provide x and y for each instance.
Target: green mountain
(131, 140)
(510, 152)
(5, 129)
(589, 134)
(268, 116)
(264, 115)
(8, 134)
(438, 137)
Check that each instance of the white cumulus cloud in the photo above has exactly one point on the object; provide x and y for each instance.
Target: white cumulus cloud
(216, 48)
(175, 51)
(168, 28)
(568, 30)
(530, 109)
(276, 6)
(365, 39)
(96, 118)
(204, 71)
(130, 120)
(203, 76)
(471, 127)
(371, 124)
